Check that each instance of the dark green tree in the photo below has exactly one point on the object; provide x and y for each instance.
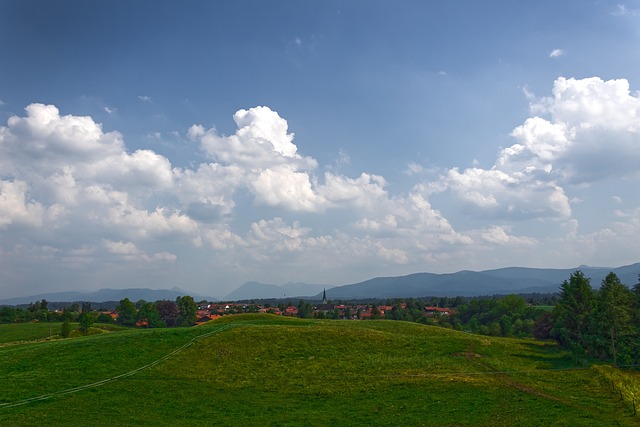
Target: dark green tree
(149, 315)
(104, 318)
(7, 314)
(187, 309)
(65, 329)
(375, 313)
(614, 312)
(571, 317)
(126, 312)
(304, 310)
(86, 320)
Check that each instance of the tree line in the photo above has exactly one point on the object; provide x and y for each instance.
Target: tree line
(602, 323)
(159, 314)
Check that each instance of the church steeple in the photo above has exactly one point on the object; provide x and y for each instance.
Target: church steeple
(324, 296)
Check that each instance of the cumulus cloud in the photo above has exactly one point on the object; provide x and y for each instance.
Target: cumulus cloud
(15, 209)
(587, 131)
(77, 190)
(73, 195)
(262, 140)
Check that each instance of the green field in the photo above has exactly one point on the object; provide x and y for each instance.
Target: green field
(36, 331)
(269, 370)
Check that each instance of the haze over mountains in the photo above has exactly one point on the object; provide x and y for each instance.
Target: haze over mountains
(464, 283)
(511, 280)
(257, 290)
(102, 295)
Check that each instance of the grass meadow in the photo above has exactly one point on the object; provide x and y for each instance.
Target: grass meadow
(256, 370)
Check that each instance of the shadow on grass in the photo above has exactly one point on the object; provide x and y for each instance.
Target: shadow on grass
(549, 356)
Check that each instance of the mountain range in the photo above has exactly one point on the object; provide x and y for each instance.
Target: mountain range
(102, 295)
(510, 280)
(257, 290)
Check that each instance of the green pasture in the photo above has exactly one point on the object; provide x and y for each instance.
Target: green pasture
(36, 331)
(256, 370)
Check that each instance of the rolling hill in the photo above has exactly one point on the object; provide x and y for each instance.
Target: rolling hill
(261, 370)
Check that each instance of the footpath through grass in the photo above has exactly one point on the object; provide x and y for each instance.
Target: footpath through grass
(268, 370)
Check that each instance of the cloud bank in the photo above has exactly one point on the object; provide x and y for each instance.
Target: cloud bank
(75, 202)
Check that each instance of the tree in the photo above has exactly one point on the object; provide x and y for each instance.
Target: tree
(542, 326)
(104, 318)
(614, 311)
(86, 306)
(187, 309)
(65, 329)
(168, 312)
(304, 310)
(149, 315)
(126, 312)
(86, 320)
(571, 316)
(7, 314)
(375, 313)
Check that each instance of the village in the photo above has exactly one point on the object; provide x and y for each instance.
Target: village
(323, 310)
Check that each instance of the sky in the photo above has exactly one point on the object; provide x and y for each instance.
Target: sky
(205, 144)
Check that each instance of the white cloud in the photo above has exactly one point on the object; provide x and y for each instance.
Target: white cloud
(72, 196)
(414, 169)
(496, 194)
(262, 139)
(592, 133)
(144, 98)
(555, 53)
(500, 235)
(283, 186)
(15, 209)
(343, 157)
(128, 251)
(623, 10)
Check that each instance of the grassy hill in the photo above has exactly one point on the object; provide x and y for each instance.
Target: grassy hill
(268, 370)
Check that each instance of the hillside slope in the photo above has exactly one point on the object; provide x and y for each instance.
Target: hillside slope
(269, 370)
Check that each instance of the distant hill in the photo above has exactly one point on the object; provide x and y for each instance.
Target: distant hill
(102, 295)
(475, 283)
(257, 290)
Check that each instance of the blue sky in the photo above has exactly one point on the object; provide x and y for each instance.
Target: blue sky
(204, 144)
